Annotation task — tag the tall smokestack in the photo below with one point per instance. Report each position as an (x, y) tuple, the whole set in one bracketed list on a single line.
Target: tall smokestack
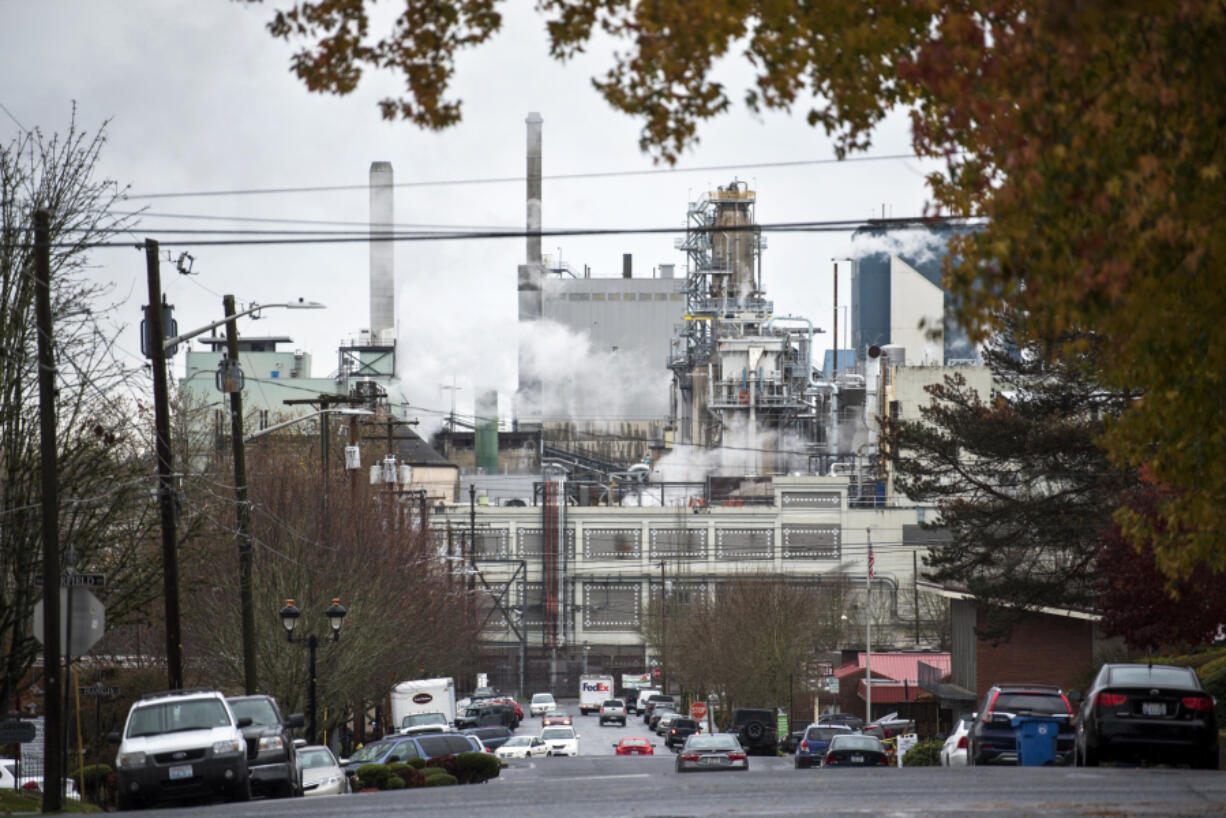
[(534, 187), (382, 261)]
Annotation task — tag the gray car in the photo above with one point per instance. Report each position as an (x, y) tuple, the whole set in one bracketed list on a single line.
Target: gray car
[(712, 751)]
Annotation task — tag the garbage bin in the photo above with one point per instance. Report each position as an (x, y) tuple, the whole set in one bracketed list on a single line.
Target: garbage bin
[(1036, 739)]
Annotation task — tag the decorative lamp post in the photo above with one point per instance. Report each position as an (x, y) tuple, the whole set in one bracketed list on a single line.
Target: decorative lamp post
[(289, 619)]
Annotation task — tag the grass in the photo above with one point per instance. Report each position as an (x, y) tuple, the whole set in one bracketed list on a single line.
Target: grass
[(13, 802)]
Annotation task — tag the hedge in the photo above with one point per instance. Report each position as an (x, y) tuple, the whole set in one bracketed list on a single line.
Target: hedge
[(925, 753), (440, 780)]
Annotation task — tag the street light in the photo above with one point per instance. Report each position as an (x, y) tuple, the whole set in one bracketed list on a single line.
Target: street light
[(289, 620), (277, 426)]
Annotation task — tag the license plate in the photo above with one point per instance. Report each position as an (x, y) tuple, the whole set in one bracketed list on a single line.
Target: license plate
[(857, 759), (182, 771), (714, 761), (1153, 709)]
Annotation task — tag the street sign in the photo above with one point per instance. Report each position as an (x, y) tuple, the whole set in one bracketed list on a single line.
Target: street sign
[(99, 690), (88, 620), (832, 685), (823, 669), (16, 732), (75, 580), (698, 710), (655, 673)]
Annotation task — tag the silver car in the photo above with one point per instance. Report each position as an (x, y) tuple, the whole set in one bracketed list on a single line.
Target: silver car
[(321, 772), (712, 751)]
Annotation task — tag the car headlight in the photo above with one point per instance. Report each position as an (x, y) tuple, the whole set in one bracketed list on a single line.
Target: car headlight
[(131, 759), (271, 743), (232, 745)]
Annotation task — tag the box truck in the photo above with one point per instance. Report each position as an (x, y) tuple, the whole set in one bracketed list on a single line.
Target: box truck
[(412, 699), (593, 690)]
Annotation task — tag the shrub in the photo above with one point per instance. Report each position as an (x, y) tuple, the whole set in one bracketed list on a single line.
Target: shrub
[(372, 776), (408, 774), (440, 780), (474, 768), (93, 782), (416, 763), (393, 782), (445, 763), (925, 753)]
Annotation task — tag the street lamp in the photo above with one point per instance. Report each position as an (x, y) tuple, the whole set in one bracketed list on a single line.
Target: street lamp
[(299, 419), (289, 620), (587, 648)]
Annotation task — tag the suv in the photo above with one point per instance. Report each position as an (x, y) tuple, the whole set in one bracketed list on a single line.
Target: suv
[(613, 710), (992, 739), (401, 749), (681, 728), (181, 744), (541, 704), (755, 729), (485, 715), (274, 770), (652, 701)]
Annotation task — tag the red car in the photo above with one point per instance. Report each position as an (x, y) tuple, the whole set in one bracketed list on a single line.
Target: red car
[(634, 747), (557, 719)]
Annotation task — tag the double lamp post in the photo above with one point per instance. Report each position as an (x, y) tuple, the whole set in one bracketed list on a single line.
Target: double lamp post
[(289, 619)]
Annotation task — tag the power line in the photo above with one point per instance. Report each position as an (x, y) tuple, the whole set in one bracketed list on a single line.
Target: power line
[(494, 180)]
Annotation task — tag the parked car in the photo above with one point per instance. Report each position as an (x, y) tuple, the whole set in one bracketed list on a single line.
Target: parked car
[(755, 729), (855, 750), (1147, 712), (712, 751), (992, 738), (562, 741), (659, 711), (484, 715), (481, 694), (954, 750), (321, 772), (652, 701), (399, 749), (634, 746), (846, 719), (613, 710), (519, 711), (814, 741), (10, 781), (511, 712), (679, 730), (179, 745), (888, 727), (541, 704), (665, 721), (491, 737), (523, 747), (416, 723), (274, 768)]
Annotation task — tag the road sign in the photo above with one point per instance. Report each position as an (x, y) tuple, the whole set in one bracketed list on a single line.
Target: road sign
[(88, 620), (99, 690), (75, 580), (698, 710), (16, 732), (832, 685), (655, 673)]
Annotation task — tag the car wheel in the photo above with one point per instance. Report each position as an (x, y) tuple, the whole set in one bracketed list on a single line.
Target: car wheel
[(243, 791), (1089, 758), (126, 802)]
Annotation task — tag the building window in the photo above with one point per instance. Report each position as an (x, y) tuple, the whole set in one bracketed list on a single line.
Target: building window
[(895, 409)]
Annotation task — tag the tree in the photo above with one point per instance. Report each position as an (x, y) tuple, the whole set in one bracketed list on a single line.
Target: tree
[(1135, 598), (1021, 486), (1088, 135), (106, 512)]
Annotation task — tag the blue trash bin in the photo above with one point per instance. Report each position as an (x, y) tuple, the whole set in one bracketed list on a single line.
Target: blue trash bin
[(1036, 739)]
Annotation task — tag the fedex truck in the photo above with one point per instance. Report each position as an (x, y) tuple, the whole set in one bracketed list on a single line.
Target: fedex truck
[(421, 696), (593, 691)]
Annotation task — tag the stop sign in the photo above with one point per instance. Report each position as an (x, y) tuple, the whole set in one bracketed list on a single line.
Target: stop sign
[(698, 710)]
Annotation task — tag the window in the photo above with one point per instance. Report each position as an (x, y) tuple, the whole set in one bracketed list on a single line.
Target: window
[(895, 410)]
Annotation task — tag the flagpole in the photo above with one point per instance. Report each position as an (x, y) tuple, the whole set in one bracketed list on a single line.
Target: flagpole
[(868, 632)]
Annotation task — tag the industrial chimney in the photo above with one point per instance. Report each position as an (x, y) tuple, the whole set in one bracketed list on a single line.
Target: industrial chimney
[(531, 272), (382, 261)]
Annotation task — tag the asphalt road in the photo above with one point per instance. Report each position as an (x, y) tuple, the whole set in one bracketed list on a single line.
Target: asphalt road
[(598, 783)]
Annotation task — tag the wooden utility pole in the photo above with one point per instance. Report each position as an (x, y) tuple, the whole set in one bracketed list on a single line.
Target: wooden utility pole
[(165, 461), (53, 748), (243, 508)]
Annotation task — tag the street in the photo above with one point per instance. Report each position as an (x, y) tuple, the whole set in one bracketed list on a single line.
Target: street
[(598, 783)]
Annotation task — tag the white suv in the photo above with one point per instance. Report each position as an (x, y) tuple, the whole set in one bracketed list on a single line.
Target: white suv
[(542, 703), (178, 745)]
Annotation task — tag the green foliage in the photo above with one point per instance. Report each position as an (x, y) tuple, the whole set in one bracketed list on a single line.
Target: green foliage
[(925, 753), (440, 780), (393, 782), (1213, 677), (417, 763), (372, 776), (474, 768), (409, 775)]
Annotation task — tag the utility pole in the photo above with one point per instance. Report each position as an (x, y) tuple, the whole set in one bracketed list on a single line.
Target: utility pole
[(53, 748), (915, 591), (663, 631), (868, 633), (243, 508), (165, 461)]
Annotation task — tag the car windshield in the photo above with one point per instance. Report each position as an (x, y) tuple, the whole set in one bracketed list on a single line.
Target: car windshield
[(175, 716), (542, 698), (418, 719), (260, 711), (1156, 676), (558, 733), (372, 751), (1050, 703), (313, 758), (823, 733), (864, 743), (519, 741), (716, 742)]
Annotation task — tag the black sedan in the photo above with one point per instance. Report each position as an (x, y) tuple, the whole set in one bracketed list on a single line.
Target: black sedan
[(1156, 713), (855, 750)]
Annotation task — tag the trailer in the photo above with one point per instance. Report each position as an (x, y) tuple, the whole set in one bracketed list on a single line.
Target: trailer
[(420, 696)]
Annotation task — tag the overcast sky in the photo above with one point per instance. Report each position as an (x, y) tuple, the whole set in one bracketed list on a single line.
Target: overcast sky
[(200, 98)]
